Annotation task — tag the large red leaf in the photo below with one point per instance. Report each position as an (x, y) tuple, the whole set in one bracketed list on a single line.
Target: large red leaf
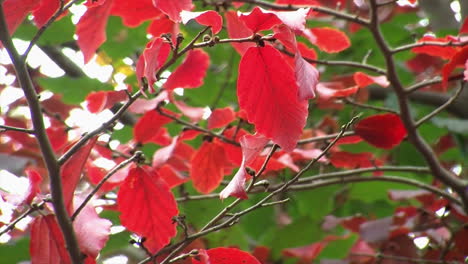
[(92, 232), (133, 13), (45, 11), (267, 91), (173, 8), (221, 117), (91, 29), (191, 72), (47, 244), (257, 20), (149, 125), (208, 18), (459, 59), (236, 28), (147, 207), (71, 172), (251, 148), (383, 131), (152, 58), (225, 256), (16, 11), (330, 40), (207, 169)]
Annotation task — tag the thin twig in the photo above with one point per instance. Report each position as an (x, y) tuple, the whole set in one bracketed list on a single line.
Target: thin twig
[(373, 107), (11, 225), (4, 128), (428, 43), (136, 156), (432, 81), (442, 107)]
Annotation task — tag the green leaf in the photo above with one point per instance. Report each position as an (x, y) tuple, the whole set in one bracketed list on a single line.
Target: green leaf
[(15, 251), (73, 90), (315, 203)]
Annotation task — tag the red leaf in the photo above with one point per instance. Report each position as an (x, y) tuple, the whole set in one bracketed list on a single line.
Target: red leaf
[(149, 125), (226, 256), (152, 58), (305, 253), (207, 18), (16, 11), (326, 90), (330, 40), (173, 8), (363, 80), (348, 160), (307, 78), (267, 91), (207, 169), (45, 11), (92, 232), (464, 27), (91, 29), (383, 131), (47, 244), (101, 100), (191, 72), (142, 197), (34, 187), (257, 20), (459, 59), (461, 240), (133, 13), (237, 29), (465, 73), (163, 25), (221, 117), (251, 148), (58, 136), (194, 113), (445, 52), (171, 176), (71, 172)]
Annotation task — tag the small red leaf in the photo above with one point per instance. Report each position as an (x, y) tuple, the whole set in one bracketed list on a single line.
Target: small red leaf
[(459, 59), (91, 29), (363, 80), (207, 170), (268, 92), (173, 8), (16, 11), (445, 52), (142, 197), (163, 25), (133, 13), (92, 232), (149, 125), (152, 58), (45, 11), (191, 72), (194, 113), (58, 136), (305, 253), (464, 27), (330, 40), (257, 20), (326, 90), (226, 256), (236, 28), (251, 148), (348, 160), (101, 100), (71, 172), (34, 187), (221, 117), (383, 131), (47, 244), (207, 18)]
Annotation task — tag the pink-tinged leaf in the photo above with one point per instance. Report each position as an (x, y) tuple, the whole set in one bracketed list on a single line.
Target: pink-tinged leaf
[(445, 52), (47, 244), (147, 207), (191, 72), (361, 247), (225, 256), (326, 91), (133, 13), (221, 117), (376, 230), (194, 113), (286, 36), (207, 170), (163, 25), (101, 100), (251, 148), (458, 59), (295, 20), (91, 29), (237, 29), (92, 232), (305, 253), (330, 40), (464, 27), (16, 11), (149, 125), (162, 155), (45, 11), (364, 80), (257, 20), (142, 106), (71, 172), (207, 18), (383, 131), (153, 57), (307, 78), (267, 91), (34, 187), (173, 8)]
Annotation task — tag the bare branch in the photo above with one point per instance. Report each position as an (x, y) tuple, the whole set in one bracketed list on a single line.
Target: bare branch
[(4, 128)]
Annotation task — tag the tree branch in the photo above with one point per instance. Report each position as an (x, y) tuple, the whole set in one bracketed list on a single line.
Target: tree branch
[(428, 43), (4, 128), (53, 167)]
